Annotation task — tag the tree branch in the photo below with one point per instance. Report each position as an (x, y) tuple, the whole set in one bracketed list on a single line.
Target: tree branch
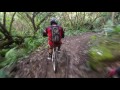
[(96, 18), (5, 32), (49, 14), (32, 20), (11, 22), (35, 14), (28, 16), (26, 20), (4, 19), (83, 18)]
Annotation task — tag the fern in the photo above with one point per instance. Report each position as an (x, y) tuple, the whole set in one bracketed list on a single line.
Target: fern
[(33, 43), (12, 56), (3, 52)]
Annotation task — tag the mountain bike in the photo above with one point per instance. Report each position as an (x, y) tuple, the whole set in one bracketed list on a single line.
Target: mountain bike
[(55, 58)]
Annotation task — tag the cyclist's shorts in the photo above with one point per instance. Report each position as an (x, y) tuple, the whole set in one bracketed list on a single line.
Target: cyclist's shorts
[(54, 44)]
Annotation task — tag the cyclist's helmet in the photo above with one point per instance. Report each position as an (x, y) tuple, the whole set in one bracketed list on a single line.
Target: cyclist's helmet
[(53, 21)]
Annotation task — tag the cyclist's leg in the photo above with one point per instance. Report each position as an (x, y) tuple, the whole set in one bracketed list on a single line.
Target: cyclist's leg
[(59, 47), (50, 48)]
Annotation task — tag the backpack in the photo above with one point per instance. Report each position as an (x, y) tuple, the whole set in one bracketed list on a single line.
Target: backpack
[(55, 34)]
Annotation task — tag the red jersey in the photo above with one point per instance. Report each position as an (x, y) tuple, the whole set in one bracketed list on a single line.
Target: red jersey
[(48, 31)]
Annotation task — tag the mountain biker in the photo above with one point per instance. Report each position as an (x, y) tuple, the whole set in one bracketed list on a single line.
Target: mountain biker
[(48, 33)]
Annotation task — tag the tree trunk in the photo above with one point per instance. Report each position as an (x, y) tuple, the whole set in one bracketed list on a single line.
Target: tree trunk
[(11, 22), (112, 18), (4, 19), (5, 32)]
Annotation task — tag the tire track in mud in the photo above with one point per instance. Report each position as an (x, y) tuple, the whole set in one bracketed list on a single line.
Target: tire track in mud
[(62, 67)]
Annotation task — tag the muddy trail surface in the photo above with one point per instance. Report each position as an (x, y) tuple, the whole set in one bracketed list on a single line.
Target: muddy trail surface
[(71, 63)]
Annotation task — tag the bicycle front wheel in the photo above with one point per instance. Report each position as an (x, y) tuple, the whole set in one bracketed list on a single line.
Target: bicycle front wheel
[(54, 61)]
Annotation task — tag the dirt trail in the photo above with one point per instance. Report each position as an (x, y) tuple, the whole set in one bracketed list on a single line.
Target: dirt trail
[(71, 64)]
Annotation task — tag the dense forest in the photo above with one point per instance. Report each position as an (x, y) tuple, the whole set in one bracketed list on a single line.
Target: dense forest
[(90, 37)]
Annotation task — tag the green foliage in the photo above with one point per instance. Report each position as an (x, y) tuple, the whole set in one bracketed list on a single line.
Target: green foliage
[(117, 29), (112, 30), (3, 74), (13, 45), (100, 53), (21, 52), (22, 28), (3, 52), (12, 56), (94, 37), (30, 44), (96, 30), (1, 35), (75, 32), (95, 65), (34, 42), (104, 48), (109, 23)]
